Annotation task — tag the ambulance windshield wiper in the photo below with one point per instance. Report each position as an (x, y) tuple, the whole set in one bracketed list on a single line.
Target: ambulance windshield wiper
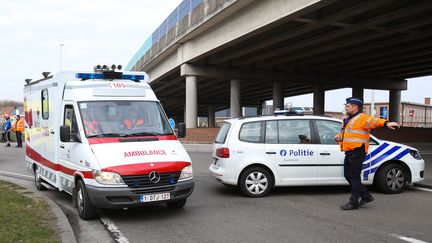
[(148, 134), (104, 135)]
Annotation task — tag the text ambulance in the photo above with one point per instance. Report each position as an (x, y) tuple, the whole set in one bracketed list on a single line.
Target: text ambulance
[(104, 138)]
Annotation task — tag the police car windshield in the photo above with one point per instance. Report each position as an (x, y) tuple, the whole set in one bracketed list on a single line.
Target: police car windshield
[(123, 119)]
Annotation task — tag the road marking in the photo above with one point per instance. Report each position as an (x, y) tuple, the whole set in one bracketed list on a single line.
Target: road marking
[(422, 189), (407, 239), (16, 174), (111, 227)]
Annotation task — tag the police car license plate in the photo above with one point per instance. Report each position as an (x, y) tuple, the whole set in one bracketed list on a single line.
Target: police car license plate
[(155, 197)]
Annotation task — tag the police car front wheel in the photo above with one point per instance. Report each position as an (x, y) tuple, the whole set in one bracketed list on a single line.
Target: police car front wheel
[(391, 179), (256, 182)]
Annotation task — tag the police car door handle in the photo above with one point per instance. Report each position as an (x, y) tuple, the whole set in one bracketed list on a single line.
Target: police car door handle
[(62, 146), (270, 152), (324, 153)]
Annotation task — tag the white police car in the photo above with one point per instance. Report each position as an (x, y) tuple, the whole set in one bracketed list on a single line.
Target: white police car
[(260, 153)]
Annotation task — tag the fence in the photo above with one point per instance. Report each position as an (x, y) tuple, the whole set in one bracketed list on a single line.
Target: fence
[(187, 16)]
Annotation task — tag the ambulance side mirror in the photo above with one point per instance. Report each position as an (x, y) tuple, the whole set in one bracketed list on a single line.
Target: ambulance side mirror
[(181, 130), (65, 134)]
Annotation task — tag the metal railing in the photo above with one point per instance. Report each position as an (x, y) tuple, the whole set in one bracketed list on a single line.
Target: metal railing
[(187, 16)]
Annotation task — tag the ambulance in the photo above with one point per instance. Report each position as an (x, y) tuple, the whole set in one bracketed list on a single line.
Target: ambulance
[(103, 137), (257, 154)]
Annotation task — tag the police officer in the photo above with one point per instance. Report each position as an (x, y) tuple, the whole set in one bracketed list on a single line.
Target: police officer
[(354, 141)]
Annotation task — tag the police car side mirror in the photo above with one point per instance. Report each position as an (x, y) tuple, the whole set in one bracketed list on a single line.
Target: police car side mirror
[(181, 130), (65, 133)]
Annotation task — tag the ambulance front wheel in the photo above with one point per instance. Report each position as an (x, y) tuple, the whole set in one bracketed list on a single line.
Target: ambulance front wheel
[(38, 180), (177, 204), (86, 210)]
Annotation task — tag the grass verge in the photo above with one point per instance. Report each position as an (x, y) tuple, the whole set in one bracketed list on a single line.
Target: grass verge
[(23, 219)]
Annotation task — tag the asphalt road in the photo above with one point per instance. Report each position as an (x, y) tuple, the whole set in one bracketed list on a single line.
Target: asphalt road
[(216, 213)]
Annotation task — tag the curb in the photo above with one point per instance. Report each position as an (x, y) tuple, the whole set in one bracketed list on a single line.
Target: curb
[(66, 232), (423, 185)]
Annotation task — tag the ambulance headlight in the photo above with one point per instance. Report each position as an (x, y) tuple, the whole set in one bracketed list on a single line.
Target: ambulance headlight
[(186, 174), (107, 178)]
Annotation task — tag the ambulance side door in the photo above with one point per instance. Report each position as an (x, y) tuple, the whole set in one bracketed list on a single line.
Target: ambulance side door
[(69, 151)]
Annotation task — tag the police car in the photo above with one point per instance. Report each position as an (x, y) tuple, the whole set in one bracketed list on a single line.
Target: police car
[(260, 153)]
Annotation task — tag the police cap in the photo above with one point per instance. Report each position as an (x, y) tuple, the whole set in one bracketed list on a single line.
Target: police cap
[(355, 101)]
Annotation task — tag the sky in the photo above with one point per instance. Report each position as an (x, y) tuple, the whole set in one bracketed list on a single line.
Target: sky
[(37, 34)]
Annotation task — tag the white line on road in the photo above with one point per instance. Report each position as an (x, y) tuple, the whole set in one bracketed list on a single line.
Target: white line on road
[(407, 239), (111, 227), (15, 174), (422, 189)]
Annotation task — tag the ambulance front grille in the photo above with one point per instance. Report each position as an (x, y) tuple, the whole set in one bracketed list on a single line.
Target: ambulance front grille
[(141, 183)]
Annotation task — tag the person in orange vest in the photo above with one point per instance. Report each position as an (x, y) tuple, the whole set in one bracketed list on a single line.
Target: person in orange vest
[(132, 122), (91, 127), (19, 129), (354, 141)]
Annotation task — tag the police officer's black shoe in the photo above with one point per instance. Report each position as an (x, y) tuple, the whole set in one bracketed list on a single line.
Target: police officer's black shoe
[(363, 201), (349, 206)]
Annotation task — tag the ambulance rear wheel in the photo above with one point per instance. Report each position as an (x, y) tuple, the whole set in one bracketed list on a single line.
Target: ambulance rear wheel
[(391, 179), (38, 180), (255, 182), (177, 204), (86, 210)]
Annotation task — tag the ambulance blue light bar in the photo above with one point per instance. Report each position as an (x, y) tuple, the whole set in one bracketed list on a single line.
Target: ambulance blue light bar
[(109, 76)]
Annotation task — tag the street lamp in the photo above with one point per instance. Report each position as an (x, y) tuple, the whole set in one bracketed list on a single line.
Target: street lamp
[(61, 45)]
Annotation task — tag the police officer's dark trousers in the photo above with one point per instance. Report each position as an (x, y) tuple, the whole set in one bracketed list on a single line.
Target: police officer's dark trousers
[(352, 169), (19, 139)]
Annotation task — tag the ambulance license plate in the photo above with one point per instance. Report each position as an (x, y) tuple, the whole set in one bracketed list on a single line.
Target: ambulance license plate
[(155, 197)]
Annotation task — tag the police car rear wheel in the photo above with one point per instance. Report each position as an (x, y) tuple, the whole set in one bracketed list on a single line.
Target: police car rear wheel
[(256, 182), (38, 180), (85, 209), (391, 179)]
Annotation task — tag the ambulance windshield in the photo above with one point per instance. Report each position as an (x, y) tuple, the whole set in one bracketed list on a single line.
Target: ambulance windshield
[(123, 119)]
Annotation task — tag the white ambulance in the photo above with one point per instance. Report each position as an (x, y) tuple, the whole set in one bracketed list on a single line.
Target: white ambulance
[(104, 138), (259, 153)]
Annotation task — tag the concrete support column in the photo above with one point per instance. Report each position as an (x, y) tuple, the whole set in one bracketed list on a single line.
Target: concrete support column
[(318, 100), (358, 92), (394, 109), (191, 110), (278, 99), (235, 101), (211, 117)]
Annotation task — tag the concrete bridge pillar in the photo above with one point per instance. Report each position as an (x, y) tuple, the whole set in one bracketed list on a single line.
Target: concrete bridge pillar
[(394, 106), (191, 110), (211, 117), (358, 92), (235, 101), (318, 100), (278, 99)]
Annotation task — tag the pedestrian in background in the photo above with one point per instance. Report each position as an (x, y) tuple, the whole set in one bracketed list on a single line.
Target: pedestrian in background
[(354, 141), (19, 129), (7, 129)]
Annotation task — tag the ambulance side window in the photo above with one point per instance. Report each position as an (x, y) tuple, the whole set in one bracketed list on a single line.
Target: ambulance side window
[(45, 104), (70, 120)]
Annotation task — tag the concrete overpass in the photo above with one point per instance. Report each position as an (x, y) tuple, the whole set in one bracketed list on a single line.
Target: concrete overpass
[(216, 54)]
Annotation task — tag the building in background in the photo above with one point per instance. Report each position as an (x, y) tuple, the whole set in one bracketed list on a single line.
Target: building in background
[(412, 114)]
